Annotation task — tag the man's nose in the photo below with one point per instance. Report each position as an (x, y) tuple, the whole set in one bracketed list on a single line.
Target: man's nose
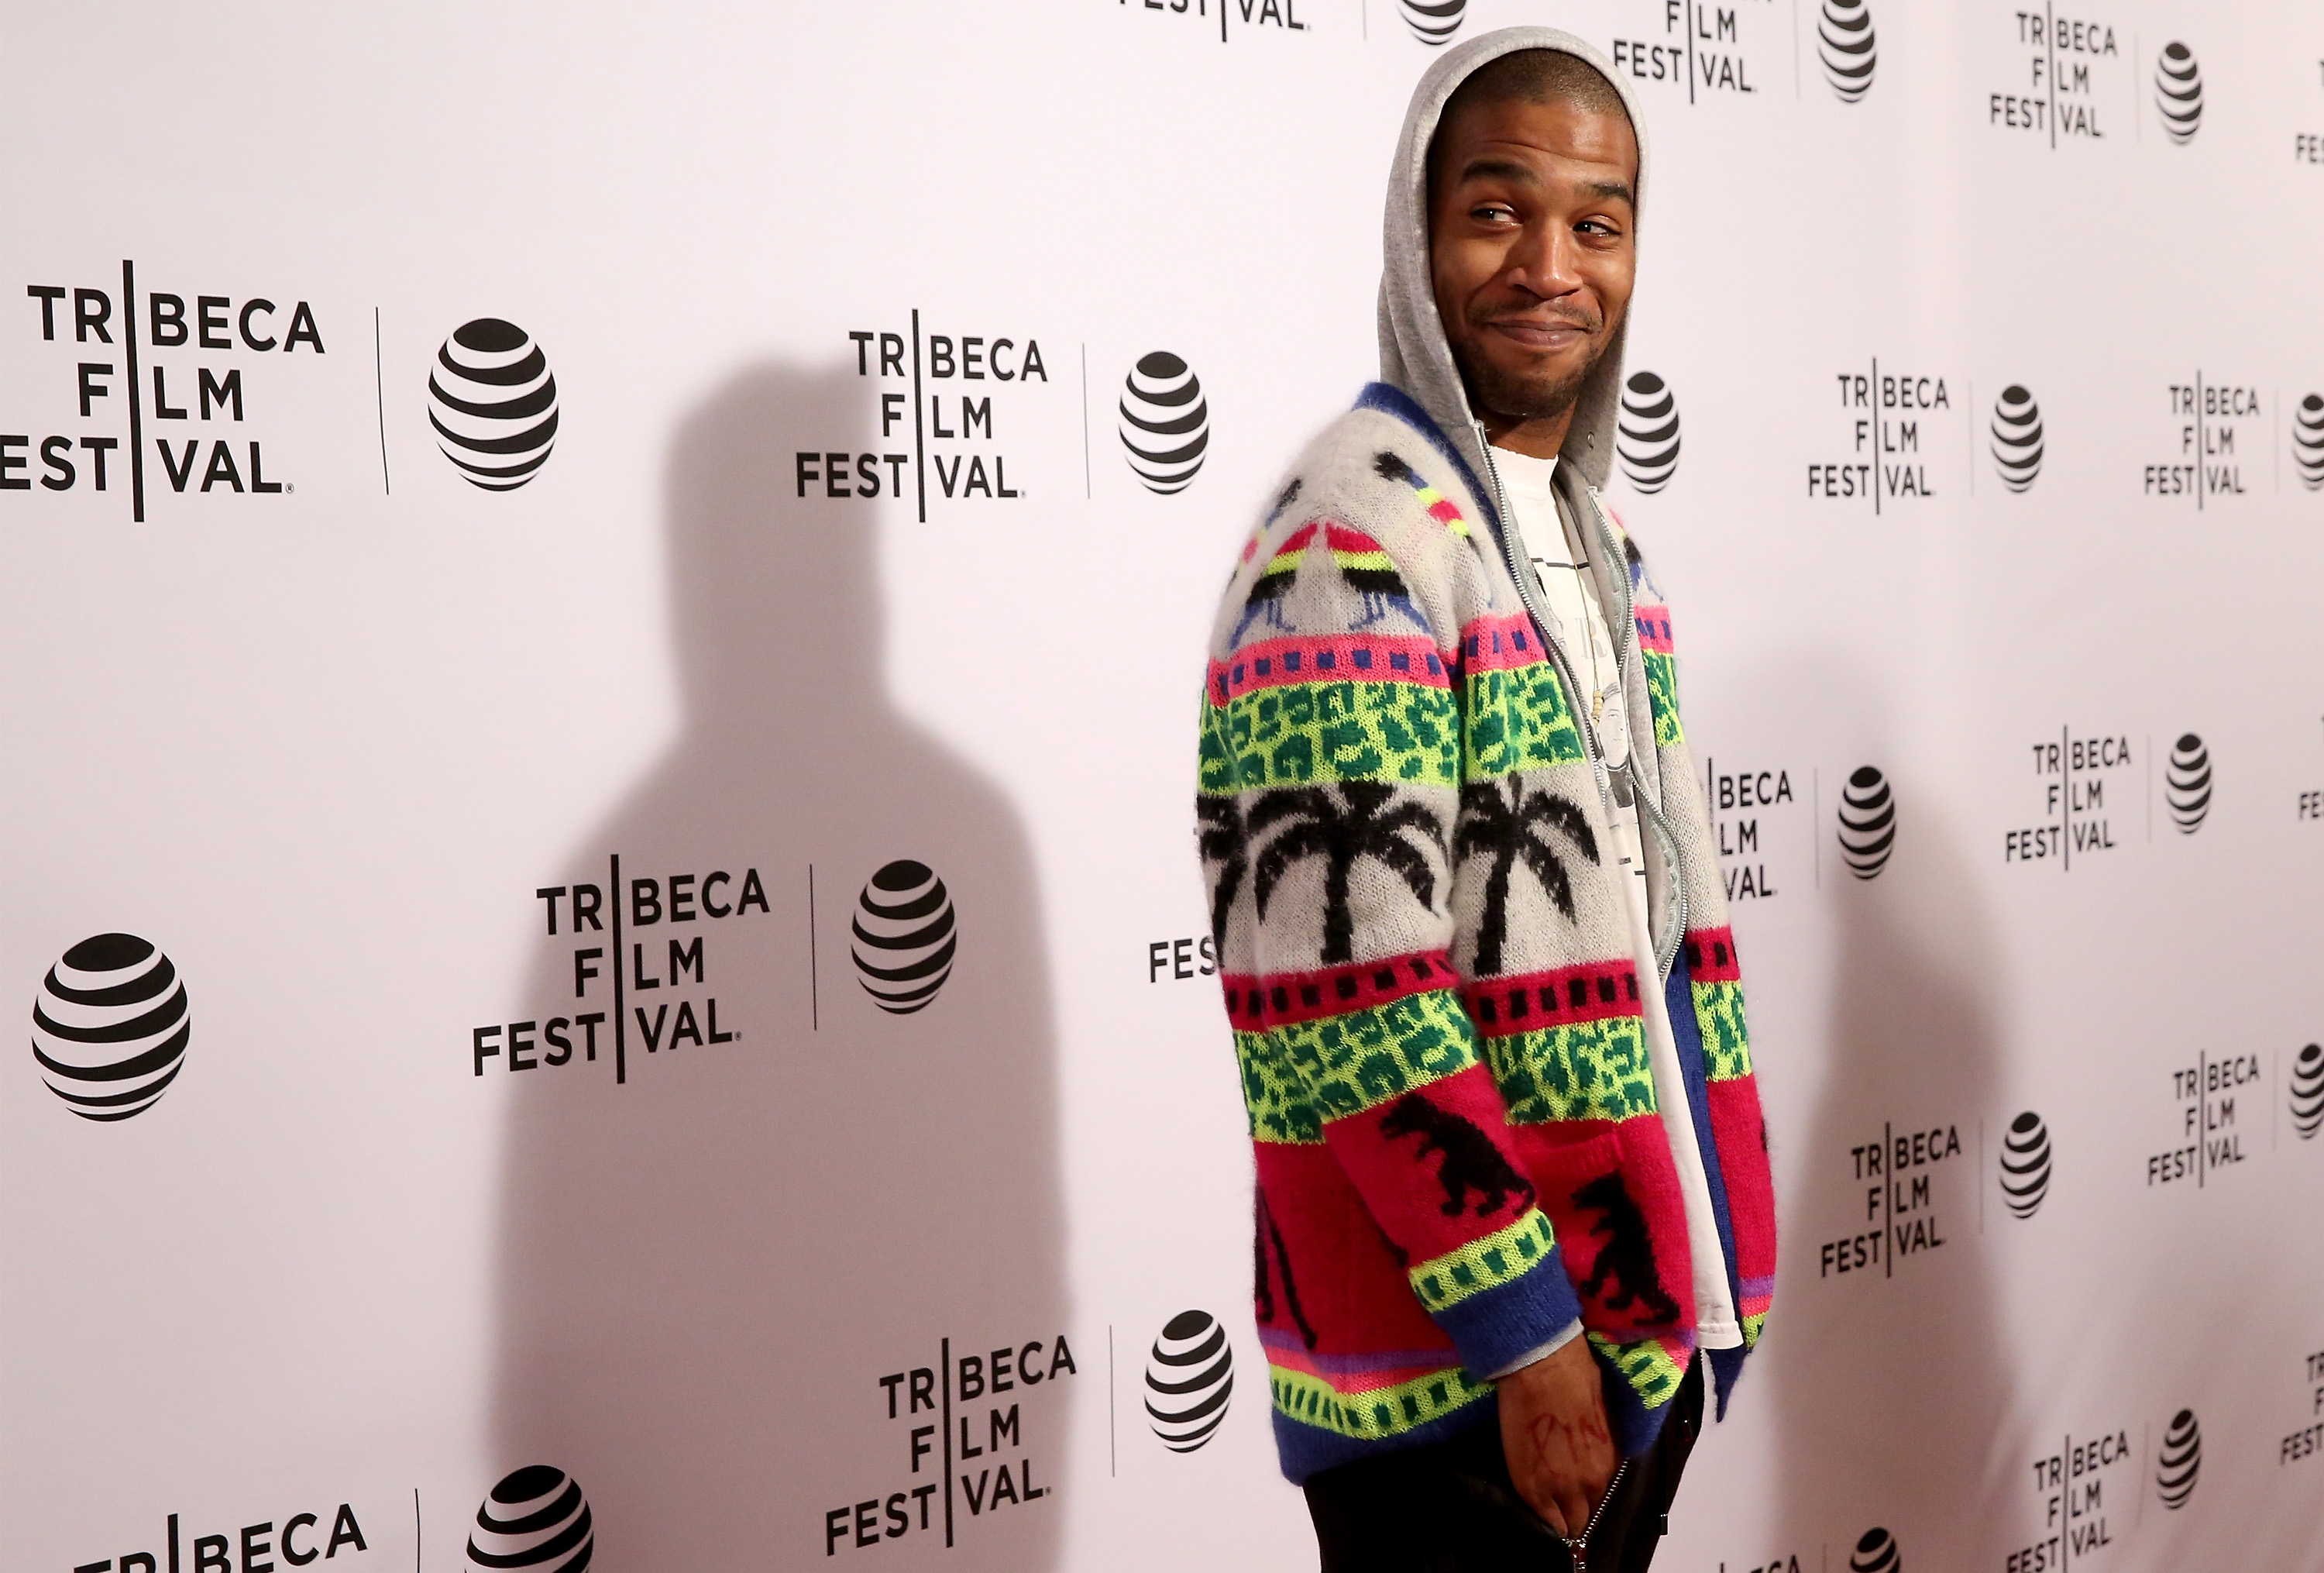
[(1546, 262)]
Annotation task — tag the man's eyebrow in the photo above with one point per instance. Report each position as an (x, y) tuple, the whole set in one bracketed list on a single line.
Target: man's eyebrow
[(1612, 190), (1489, 168)]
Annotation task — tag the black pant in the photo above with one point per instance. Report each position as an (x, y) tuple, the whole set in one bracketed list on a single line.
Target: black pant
[(1449, 1507)]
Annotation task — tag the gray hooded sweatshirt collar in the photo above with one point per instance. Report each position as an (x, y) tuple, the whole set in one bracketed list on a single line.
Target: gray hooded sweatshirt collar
[(1414, 353)]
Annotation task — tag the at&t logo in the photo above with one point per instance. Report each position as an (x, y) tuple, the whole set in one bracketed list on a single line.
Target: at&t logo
[(1645, 432), (2187, 783), (2308, 1092), (110, 1027), (1166, 422), (1844, 44), (2179, 93), (1876, 1552), (1434, 21), (2017, 438), (493, 402), (905, 936), (535, 1518), (2179, 1461), (1867, 822), (1189, 1377), (2308, 441), (2025, 1165)]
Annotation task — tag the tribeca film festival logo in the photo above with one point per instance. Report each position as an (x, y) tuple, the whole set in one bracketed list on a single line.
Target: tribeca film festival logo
[(1867, 822), (977, 1451), (110, 1027), (623, 973), (1702, 48), (2205, 1097), (938, 431), (2063, 69), (1845, 48), (536, 1520), (2017, 433), (1278, 14), (2308, 441), (1166, 422), (1645, 432), (1900, 1201), (2069, 1486), (2187, 783), (2179, 93), (1189, 1378), (493, 402), (1744, 805), (2307, 1441), (1888, 418), (101, 418), (905, 936), (2308, 1092), (299, 1540), (2211, 428), (2074, 773), (2025, 1162)]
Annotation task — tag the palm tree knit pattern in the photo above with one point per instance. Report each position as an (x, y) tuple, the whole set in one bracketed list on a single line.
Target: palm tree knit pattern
[(1429, 976)]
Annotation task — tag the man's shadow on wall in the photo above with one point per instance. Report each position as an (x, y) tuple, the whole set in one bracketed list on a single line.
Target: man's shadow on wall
[(1889, 1392), (704, 1272)]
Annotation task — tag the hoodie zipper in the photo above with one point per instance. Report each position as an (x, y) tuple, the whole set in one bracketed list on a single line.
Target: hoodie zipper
[(1608, 777)]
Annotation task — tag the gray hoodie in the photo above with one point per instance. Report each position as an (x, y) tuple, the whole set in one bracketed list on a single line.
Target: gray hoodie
[(1414, 353)]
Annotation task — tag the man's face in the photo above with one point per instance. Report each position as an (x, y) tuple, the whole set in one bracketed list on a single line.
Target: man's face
[(1531, 248)]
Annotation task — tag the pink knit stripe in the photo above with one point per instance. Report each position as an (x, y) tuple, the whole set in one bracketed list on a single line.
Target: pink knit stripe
[(1283, 999), (1710, 955), (1564, 996), (1655, 629), (1499, 644), (1358, 1373), (1314, 658)]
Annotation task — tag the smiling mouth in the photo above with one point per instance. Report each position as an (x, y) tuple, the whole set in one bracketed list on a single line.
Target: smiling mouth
[(1554, 333)]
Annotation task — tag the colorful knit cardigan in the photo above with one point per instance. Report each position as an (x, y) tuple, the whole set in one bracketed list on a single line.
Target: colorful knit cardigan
[(1426, 967)]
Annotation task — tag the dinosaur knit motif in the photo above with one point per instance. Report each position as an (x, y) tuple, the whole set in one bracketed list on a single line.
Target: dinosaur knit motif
[(1428, 969)]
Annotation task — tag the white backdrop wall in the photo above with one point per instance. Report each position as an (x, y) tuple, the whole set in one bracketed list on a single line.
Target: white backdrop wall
[(304, 708)]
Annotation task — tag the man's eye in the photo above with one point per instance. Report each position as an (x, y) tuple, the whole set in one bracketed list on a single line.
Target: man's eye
[(1494, 214)]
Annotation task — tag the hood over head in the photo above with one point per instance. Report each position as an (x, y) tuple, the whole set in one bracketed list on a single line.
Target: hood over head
[(1414, 355)]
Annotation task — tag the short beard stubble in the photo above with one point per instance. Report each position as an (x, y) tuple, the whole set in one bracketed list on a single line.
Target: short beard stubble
[(1516, 397)]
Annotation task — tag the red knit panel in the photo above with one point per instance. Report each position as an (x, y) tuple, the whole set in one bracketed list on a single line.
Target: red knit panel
[(1332, 1270), (1614, 1198), (1741, 1131), (1436, 1164)]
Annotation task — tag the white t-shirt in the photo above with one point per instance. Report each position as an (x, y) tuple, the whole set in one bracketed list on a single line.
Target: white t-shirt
[(1578, 624)]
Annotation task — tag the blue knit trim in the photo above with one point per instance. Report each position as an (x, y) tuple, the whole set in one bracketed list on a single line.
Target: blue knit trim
[(1726, 1370), (1390, 400), (1686, 1034), (1509, 1321), (1307, 1450)]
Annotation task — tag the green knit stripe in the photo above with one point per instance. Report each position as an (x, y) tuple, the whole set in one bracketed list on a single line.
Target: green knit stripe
[(1356, 1061), (1752, 1327), (1481, 1264), (1302, 734), (1273, 1095), (1588, 1071), (1646, 1365), (1518, 719), (1379, 1414), (1726, 1043), (1662, 691)]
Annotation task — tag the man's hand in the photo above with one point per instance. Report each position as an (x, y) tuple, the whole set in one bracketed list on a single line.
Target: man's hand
[(1553, 1432)]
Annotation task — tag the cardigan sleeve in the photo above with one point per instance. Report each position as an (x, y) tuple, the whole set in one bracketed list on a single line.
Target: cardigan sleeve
[(1329, 774)]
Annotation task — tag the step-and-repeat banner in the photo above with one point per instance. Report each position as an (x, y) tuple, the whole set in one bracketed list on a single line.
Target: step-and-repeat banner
[(600, 654)]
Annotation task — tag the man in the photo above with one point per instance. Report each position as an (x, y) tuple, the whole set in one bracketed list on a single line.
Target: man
[(1512, 1182)]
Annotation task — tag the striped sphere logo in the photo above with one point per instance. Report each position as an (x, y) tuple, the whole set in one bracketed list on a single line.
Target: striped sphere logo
[(2179, 1461), (1844, 43), (1166, 422), (2308, 441), (2178, 92), (1867, 822), (904, 938), (110, 1027), (493, 403), (1645, 432), (2026, 1164), (535, 1518), (2308, 1092), (1434, 21), (2187, 783), (2016, 437), (1876, 1552), (1189, 1377)]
